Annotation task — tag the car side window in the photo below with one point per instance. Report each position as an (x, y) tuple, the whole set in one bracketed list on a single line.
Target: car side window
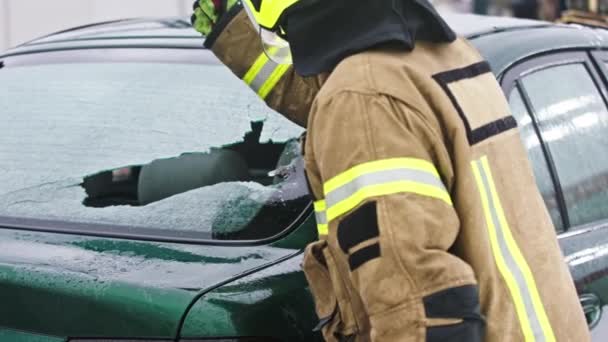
[(573, 121), (536, 156)]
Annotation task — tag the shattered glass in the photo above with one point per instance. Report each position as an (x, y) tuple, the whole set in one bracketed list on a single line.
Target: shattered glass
[(78, 139)]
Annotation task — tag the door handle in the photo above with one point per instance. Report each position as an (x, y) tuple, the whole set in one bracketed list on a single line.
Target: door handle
[(592, 307)]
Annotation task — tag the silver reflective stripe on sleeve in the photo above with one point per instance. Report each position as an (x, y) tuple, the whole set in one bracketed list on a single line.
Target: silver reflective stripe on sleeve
[(321, 217), (510, 261), (380, 178), (264, 75)]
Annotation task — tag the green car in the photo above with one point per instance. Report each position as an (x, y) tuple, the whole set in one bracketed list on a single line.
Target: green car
[(146, 194)]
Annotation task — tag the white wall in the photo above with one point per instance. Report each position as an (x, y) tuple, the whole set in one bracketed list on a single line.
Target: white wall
[(23, 20)]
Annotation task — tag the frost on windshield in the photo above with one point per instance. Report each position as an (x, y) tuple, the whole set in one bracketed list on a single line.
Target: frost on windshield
[(144, 145)]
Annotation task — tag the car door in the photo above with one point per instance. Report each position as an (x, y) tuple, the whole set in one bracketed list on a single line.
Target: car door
[(559, 101)]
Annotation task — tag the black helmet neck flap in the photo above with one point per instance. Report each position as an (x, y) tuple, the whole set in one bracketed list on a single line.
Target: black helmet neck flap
[(323, 34)]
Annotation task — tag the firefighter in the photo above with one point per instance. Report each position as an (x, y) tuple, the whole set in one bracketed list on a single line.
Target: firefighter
[(430, 224)]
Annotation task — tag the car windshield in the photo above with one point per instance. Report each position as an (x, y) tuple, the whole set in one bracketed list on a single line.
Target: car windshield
[(180, 148)]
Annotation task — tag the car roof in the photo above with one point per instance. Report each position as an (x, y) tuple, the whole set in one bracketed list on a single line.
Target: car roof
[(499, 39), (177, 27), (125, 28), (470, 25)]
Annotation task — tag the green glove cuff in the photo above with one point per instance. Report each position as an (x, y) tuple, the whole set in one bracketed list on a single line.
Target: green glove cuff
[(206, 15)]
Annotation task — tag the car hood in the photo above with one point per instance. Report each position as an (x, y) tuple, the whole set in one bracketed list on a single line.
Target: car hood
[(150, 264), (65, 285)]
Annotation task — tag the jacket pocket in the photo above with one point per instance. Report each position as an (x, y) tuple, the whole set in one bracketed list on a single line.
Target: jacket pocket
[(332, 301)]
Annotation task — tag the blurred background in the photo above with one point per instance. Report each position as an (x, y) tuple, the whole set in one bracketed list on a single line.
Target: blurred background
[(23, 20)]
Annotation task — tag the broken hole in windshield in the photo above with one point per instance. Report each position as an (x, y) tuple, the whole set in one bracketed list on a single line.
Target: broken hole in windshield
[(139, 185)]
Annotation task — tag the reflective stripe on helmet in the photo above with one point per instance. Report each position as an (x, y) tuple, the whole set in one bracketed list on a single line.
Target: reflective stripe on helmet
[(347, 190), (510, 261)]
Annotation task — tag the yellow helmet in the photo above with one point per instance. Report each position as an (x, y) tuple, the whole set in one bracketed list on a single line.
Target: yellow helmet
[(268, 13), (266, 16)]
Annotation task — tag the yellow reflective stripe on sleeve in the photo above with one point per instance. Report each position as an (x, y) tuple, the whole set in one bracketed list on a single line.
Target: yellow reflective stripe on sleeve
[(272, 81), (264, 75), (384, 190), (320, 205), (519, 259), (501, 264), (510, 261), (380, 165), (255, 68), (322, 229), (380, 178), (321, 217)]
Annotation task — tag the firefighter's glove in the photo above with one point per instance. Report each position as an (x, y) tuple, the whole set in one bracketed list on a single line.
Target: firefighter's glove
[(208, 12)]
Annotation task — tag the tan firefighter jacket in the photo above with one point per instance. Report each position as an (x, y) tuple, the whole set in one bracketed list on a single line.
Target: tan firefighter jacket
[(431, 226)]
